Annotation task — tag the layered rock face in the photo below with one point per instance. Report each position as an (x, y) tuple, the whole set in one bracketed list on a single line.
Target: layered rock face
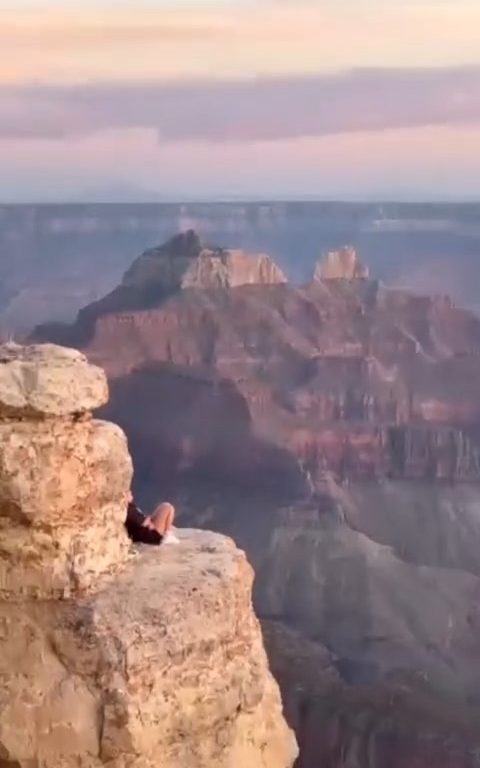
[(345, 417), (344, 264), (184, 262), (55, 259), (63, 476), (395, 726), (111, 655), (369, 598), (342, 374)]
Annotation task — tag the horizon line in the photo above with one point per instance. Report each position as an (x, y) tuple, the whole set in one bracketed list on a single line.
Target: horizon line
[(228, 200)]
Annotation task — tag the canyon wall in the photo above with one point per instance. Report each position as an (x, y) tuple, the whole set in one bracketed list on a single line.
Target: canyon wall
[(55, 259), (333, 431), (368, 595), (111, 654)]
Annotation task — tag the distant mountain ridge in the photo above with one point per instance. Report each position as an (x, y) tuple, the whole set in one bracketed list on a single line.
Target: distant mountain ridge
[(55, 259)]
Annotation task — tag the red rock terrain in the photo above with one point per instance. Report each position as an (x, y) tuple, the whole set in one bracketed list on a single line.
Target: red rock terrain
[(332, 429)]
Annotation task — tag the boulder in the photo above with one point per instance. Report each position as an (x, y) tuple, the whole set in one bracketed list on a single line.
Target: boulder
[(63, 495), (47, 380), (64, 480)]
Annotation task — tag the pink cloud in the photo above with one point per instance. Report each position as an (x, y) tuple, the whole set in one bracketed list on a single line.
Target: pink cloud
[(437, 162), (264, 109)]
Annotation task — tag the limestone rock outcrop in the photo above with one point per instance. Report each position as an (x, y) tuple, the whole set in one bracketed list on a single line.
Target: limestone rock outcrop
[(64, 477), (112, 655), (344, 264), (184, 262), (47, 380)]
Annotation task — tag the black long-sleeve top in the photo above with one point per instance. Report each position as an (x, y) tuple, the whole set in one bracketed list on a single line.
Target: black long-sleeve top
[(136, 531)]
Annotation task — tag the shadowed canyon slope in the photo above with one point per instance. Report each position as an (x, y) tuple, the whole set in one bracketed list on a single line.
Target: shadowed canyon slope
[(110, 654), (333, 430)]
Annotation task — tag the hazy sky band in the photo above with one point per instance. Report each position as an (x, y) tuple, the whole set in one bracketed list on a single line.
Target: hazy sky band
[(340, 97), (74, 42)]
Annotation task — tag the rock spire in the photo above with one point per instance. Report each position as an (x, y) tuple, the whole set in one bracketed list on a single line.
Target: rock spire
[(344, 264)]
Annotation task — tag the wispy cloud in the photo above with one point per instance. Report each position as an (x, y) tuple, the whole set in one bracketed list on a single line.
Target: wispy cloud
[(265, 109), (74, 40)]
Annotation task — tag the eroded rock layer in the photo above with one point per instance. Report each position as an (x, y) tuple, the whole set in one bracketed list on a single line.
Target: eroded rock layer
[(110, 654), (184, 262), (163, 665), (344, 264), (333, 430), (64, 477)]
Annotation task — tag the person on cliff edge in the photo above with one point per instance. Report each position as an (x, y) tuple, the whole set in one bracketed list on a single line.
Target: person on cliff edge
[(151, 529)]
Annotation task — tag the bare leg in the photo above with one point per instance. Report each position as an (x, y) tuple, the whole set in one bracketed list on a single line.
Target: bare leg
[(163, 517)]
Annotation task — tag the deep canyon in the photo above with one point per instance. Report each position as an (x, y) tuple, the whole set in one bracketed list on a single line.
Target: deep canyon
[(332, 429)]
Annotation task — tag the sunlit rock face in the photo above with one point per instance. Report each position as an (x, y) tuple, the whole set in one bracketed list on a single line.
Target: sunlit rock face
[(112, 655), (185, 262), (64, 477), (55, 259), (44, 381), (333, 430), (344, 264)]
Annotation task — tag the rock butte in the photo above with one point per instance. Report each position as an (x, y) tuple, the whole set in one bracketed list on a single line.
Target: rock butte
[(344, 264), (110, 654), (184, 262), (99, 242)]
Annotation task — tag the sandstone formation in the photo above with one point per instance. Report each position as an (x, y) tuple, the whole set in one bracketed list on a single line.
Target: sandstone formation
[(55, 259), (343, 264), (63, 478), (184, 262), (48, 381), (110, 654), (344, 416)]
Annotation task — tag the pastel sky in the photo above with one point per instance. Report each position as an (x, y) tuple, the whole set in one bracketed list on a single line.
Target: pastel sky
[(170, 99)]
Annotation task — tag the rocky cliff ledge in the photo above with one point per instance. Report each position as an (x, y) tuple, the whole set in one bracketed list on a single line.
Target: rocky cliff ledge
[(110, 654)]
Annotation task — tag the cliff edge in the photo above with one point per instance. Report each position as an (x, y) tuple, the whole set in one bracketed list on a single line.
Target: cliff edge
[(110, 654)]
